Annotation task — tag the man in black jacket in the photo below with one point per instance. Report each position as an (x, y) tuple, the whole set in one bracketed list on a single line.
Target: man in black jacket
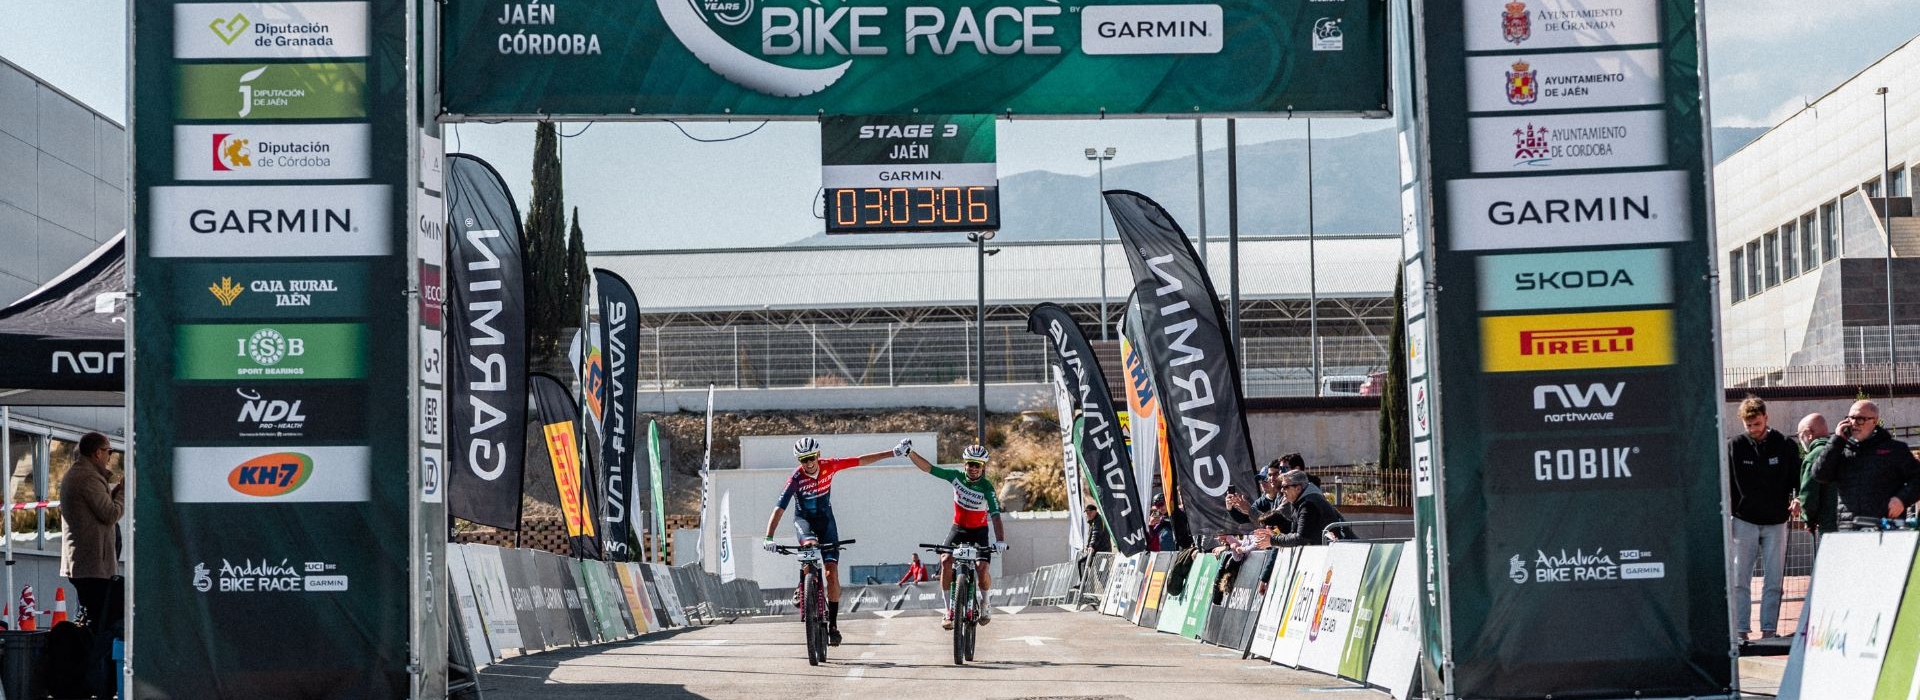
[(1763, 470), (1310, 512), (1876, 474)]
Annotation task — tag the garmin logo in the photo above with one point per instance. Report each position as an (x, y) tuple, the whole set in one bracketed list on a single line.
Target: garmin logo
[(1570, 210), (1548, 211), (1151, 29), (271, 221)]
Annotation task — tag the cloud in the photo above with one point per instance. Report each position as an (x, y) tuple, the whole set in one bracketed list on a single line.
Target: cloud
[(1790, 20)]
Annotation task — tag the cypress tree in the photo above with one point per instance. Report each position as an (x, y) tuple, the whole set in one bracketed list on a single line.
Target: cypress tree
[(578, 280), (1396, 444), (546, 266)]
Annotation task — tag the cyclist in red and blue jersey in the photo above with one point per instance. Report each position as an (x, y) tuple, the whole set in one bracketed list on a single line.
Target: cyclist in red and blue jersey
[(811, 486), (974, 506)]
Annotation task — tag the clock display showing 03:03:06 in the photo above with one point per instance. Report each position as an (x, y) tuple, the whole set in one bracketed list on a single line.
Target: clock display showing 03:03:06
[(905, 209)]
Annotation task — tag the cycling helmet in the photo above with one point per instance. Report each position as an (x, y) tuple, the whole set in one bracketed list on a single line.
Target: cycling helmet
[(806, 447), (974, 453)]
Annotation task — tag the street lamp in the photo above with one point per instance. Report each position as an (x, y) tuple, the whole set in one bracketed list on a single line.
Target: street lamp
[(1100, 157), (1886, 226), (979, 240)]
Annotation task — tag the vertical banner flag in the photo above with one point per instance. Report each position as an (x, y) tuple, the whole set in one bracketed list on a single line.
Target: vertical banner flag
[(277, 390), (1077, 534), (559, 421), (486, 347), (1093, 430), (706, 478), (1586, 461), (1191, 360), (1150, 454), (726, 537), (658, 458), (620, 327)]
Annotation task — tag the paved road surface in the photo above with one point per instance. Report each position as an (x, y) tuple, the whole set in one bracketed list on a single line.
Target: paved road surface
[(1029, 655)]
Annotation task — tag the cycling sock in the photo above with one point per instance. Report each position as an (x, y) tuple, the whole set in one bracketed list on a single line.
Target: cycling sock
[(833, 615)]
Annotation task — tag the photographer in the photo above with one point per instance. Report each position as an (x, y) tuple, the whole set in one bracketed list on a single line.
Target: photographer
[(1877, 475), (1262, 508)]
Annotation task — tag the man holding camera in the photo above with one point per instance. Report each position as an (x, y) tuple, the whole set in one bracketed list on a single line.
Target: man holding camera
[(1877, 475)]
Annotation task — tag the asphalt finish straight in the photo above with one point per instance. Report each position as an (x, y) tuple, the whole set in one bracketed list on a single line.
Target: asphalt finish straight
[(1038, 653)]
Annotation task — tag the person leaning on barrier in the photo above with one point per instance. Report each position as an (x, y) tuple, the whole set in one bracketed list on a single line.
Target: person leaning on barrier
[(1819, 503), (1311, 513), (1875, 474), (1259, 509), (1763, 471)]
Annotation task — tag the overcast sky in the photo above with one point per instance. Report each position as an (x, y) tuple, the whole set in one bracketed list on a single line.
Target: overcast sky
[(650, 186)]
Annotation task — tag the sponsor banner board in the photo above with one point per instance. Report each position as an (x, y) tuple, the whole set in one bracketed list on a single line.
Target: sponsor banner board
[(270, 290), (1564, 81), (1396, 649), (1858, 579), (270, 30), (1568, 211), (260, 475), (270, 91), (1636, 277), (1369, 608), (1900, 672), (1556, 402), (1583, 141), (280, 221), (267, 575), (795, 58), (1423, 468), (1274, 607), (254, 351), (270, 152), (271, 413), (1505, 25), (1310, 574), (473, 627), (1577, 341), (1328, 626)]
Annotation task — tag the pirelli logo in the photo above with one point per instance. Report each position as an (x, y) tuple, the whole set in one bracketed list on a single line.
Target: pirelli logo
[(1577, 341)]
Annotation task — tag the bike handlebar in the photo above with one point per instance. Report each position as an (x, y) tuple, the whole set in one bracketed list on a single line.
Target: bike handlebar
[(822, 546), (1883, 523)]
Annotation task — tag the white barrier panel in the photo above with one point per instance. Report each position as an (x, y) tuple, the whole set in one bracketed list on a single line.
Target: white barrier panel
[(635, 594), (1274, 608), (1303, 593), (669, 594), (1333, 611), (1122, 584), (1900, 673), (1396, 651), (494, 599), (469, 610), (1858, 578)]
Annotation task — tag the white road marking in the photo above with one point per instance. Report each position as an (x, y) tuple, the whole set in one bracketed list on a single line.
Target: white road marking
[(1031, 641)]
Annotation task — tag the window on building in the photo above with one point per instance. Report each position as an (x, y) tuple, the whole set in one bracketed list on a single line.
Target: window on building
[(1753, 268), (1829, 231), (1872, 188), (1770, 247), (1897, 181), (1789, 252), (1809, 243), (1737, 267)]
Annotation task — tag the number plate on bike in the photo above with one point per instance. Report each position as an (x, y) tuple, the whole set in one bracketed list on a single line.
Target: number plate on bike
[(809, 554), (966, 553)]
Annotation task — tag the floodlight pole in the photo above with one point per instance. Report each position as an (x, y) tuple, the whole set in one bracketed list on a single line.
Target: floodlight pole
[(1886, 226), (980, 333), (1100, 158)]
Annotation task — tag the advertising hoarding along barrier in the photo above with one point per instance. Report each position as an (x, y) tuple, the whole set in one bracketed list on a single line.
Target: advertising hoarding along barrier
[(1396, 648), (791, 58)]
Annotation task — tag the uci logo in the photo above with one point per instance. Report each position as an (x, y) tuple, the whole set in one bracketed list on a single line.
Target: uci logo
[(272, 475)]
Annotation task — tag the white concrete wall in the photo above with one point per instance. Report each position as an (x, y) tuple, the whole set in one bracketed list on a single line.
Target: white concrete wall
[(776, 451), (1342, 436), (1001, 398)]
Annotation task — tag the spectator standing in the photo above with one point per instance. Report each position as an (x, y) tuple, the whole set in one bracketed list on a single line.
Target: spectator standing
[(90, 508), (1160, 530), (1310, 513), (1244, 511), (916, 572), (1097, 540), (1763, 470), (1876, 475), (1819, 503)]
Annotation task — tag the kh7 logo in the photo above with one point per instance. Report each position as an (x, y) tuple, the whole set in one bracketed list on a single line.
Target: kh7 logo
[(847, 31), (267, 476)]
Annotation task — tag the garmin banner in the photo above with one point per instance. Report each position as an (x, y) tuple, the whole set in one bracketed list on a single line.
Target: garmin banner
[(1582, 474), (560, 420), (487, 342), (1094, 430), (796, 58), (1192, 362), (620, 324), (292, 548)]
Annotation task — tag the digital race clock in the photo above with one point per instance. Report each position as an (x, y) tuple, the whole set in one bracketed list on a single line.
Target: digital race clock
[(908, 174), (900, 209)]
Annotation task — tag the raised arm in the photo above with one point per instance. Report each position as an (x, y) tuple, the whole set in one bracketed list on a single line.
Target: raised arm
[(921, 462)]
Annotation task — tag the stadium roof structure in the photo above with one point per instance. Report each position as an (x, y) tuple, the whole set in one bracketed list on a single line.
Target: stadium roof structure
[(942, 274)]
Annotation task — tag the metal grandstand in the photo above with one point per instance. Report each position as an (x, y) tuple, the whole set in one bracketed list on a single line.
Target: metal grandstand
[(903, 315)]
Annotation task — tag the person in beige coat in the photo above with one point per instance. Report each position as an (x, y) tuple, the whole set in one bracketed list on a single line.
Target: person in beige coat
[(90, 508)]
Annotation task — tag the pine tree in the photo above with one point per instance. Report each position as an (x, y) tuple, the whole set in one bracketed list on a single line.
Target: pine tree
[(578, 279), (546, 252), (1395, 441)]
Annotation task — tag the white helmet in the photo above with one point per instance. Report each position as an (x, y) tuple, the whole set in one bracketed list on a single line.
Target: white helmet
[(806, 447), (974, 453)]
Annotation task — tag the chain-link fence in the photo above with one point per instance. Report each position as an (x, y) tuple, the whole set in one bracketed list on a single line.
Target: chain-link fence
[(899, 354)]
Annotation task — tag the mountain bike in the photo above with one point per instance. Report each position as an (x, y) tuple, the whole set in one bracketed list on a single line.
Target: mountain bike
[(812, 593), (966, 597)]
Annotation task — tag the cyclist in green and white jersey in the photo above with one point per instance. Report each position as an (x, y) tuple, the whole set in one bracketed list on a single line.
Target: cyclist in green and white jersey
[(974, 505)]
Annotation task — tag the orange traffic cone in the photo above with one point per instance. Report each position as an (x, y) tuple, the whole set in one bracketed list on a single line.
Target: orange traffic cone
[(28, 611), (59, 605)]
